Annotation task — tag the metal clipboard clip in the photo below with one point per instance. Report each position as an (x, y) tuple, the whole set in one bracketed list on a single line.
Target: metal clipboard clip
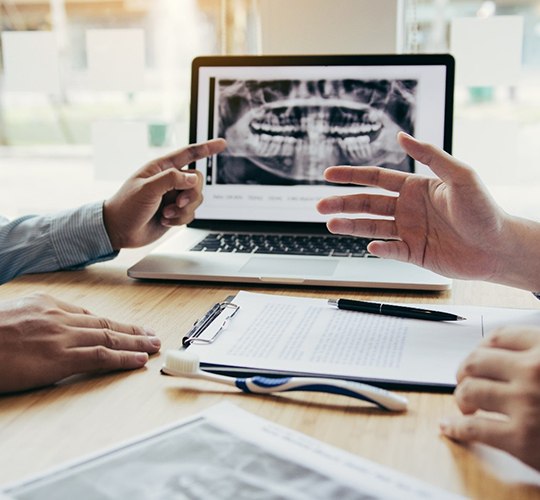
[(194, 335)]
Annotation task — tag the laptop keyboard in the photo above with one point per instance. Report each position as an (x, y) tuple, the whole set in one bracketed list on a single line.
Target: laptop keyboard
[(336, 246)]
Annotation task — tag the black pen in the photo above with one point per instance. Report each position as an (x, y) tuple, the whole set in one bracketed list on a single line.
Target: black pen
[(391, 310)]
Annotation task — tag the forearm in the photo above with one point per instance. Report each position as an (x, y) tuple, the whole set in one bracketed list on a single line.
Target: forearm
[(68, 240), (519, 255)]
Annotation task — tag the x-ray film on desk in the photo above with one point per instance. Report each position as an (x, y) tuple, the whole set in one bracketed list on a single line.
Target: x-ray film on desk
[(286, 119)]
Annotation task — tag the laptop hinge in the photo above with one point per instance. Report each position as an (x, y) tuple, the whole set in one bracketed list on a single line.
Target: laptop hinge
[(261, 226)]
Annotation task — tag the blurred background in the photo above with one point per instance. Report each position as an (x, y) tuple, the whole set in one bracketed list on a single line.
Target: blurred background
[(92, 89)]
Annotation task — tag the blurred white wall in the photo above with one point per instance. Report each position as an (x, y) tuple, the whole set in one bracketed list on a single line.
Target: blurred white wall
[(331, 27)]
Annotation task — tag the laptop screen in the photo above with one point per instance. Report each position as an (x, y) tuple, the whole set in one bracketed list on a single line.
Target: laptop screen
[(286, 119)]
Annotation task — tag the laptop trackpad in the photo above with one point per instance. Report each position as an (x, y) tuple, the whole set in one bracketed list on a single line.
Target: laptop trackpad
[(263, 266)]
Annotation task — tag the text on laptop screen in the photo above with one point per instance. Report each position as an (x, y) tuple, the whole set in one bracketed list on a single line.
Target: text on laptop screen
[(285, 124)]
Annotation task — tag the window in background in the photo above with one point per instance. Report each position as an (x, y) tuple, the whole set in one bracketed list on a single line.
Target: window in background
[(58, 149), (331, 27), (124, 79), (497, 125), (174, 32)]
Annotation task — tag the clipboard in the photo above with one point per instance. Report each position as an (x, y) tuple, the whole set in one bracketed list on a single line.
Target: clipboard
[(283, 335), (194, 336)]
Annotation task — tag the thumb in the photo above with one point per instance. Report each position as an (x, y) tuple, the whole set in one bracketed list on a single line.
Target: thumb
[(445, 166)]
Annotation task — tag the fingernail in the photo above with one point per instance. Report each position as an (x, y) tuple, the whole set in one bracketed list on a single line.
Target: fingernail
[(191, 179), (183, 201), (334, 204), (443, 425), (141, 357), (169, 212), (149, 331), (155, 341)]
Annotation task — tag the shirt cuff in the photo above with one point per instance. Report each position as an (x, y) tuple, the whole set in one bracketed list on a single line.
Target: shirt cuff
[(79, 237)]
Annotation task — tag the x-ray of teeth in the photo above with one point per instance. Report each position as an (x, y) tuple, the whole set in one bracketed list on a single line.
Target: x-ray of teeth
[(286, 132)]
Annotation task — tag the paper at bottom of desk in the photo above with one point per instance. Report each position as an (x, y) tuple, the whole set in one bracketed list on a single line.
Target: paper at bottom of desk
[(223, 453), (275, 335)]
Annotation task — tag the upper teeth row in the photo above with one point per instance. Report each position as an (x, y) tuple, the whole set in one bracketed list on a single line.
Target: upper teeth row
[(363, 128)]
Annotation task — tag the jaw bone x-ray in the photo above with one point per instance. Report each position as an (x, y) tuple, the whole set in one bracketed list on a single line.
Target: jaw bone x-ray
[(287, 132)]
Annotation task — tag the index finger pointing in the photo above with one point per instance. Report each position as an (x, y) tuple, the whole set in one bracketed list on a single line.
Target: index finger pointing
[(194, 152), (391, 180)]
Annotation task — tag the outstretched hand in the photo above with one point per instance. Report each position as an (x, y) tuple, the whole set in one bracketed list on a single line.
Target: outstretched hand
[(449, 224), (160, 195)]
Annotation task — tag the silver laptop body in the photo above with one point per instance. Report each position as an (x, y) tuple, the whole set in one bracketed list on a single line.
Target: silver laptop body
[(285, 120)]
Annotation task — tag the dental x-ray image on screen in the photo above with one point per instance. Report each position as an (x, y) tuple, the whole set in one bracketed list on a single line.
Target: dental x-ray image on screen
[(288, 131)]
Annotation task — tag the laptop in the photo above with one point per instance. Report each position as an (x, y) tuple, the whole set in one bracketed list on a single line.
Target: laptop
[(286, 119)]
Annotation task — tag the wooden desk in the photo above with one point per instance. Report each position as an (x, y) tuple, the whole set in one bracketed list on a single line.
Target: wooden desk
[(43, 428)]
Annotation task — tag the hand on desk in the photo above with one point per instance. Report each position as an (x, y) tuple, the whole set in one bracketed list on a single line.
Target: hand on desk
[(160, 195), (44, 340), (502, 375), (449, 224)]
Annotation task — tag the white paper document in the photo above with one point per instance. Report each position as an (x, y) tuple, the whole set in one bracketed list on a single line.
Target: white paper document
[(224, 453), (293, 335)]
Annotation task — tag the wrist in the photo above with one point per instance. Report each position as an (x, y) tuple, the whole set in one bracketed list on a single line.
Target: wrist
[(112, 232), (519, 255)]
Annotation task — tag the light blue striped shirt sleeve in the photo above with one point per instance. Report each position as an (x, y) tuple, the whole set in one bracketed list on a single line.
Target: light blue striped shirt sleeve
[(39, 244)]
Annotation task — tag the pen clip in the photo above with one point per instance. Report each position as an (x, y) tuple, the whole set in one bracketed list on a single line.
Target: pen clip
[(200, 326)]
